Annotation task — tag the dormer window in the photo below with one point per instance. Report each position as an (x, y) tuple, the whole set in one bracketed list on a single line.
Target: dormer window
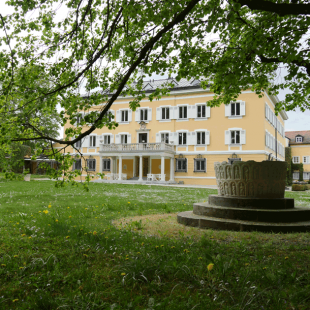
[(298, 139)]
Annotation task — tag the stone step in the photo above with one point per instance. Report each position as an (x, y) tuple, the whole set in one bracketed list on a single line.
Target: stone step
[(190, 219), (253, 203), (257, 215)]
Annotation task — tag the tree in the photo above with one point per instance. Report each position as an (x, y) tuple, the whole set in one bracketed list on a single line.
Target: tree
[(101, 45)]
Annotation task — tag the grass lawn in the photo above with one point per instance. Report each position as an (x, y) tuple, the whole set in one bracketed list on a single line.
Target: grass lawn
[(69, 249)]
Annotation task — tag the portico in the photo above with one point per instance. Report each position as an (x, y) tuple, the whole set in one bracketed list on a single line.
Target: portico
[(142, 162)]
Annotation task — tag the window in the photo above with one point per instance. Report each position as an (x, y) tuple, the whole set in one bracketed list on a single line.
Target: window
[(201, 111), (199, 165), (165, 113), (182, 138), (78, 144), (106, 164), (298, 139), (91, 164), (92, 141), (181, 165), (235, 109), (124, 115), (79, 119), (164, 137), (77, 165), (124, 139), (183, 112), (143, 115), (201, 137), (296, 159), (109, 114), (306, 159), (235, 137), (306, 175), (107, 139)]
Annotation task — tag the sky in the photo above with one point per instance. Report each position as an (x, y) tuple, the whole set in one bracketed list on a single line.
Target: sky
[(297, 120)]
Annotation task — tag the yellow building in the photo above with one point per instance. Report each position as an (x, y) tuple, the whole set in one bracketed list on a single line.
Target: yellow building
[(178, 138), (299, 142)]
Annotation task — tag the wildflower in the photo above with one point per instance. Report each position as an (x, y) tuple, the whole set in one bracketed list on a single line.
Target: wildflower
[(126, 258), (286, 257), (85, 234), (21, 267), (49, 206), (45, 211), (142, 243), (123, 274), (29, 237), (39, 211), (23, 235), (269, 255), (107, 237), (56, 221), (186, 250), (173, 247), (265, 268), (85, 208), (70, 217), (95, 217), (162, 245), (94, 233), (24, 263), (15, 300), (17, 223), (3, 265), (15, 256), (85, 255), (67, 237), (138, 253), (68, 207), (247, 264), (49, 224), (156, 246), (128, 201), (200, 257), (81, 229), (210, 267), (96, 206)]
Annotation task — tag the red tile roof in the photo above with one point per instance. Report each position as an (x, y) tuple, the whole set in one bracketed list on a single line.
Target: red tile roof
[(292, 135)]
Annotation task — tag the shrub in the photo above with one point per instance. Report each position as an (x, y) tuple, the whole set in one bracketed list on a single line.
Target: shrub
[(299, 187)]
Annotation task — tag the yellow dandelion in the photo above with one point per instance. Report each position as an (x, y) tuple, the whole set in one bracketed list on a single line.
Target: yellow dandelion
[(247, 264), (200, 257), (128, 201), (70, 217), (67, 237), (210, 267), (49, 224), (286, 257), (85, 255), (107, 237), (85, 208), (56, 221), (49, 206), (142, 243), (39, 211), (21, 267), (14, 300), (123, 274), (162, 245), (68, 207), (29, 237), (45, 211), (17, 223), (3, 265), (265, 268), (96, 206), (15, 256), (94, 233), (126, 258), (173, 247), (23, 235), (85, 234)]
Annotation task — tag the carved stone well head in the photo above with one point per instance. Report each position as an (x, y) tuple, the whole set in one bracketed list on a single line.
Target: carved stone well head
[(253, 179)]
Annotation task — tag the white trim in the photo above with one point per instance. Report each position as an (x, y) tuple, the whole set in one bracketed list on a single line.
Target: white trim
[(300, 145)]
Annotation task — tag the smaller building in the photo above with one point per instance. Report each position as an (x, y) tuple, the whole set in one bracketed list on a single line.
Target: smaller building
[(299, 142)]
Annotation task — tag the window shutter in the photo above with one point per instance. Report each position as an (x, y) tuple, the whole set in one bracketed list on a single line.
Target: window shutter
[(242, 108), (111, 138), (129, 138), (158, 114), (266, 111), (113, 113), (227, 109), (208, 111), (194, 111), (158, 137), (118, 118), (175, 112), (171, 114), (193, 138), (207, 137), (149, 114), (227, 136), (73, 166), (85, 142), (266, 138), (242, 138), (117, 139), (97, 140), (137, 115), (129, 115)]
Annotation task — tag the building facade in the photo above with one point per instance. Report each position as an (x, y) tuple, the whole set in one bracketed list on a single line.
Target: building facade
[(178, 137), (299, 142)]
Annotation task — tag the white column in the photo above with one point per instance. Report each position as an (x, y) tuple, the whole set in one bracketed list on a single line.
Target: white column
[(162, 178), (140, 169), (150, 165), (120, 168), (171, 169), (134, 167), (100, 164), (112, 165)]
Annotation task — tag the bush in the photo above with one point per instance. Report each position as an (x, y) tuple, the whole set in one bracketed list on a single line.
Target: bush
[(299, 187)]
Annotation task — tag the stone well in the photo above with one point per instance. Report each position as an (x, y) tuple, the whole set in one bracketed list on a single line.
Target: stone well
[(250, 197)]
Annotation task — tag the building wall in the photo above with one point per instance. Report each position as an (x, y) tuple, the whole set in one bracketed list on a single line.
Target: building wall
[(254, 123)]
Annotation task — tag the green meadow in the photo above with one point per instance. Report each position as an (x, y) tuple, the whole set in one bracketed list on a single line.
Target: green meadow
[(120, 247)]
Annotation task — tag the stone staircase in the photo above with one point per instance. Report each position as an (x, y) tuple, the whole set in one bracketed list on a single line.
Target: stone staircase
[(248, 214)]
